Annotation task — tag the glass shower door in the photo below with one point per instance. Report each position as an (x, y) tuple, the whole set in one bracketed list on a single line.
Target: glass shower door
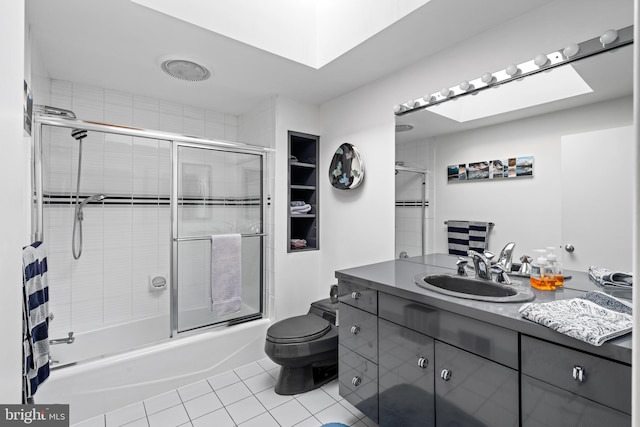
[(216, 192)]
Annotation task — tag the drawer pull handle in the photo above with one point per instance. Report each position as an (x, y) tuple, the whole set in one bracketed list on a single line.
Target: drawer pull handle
[(579, 374), (355, 329), (422, 362), (445, 374), (356, 381), (355, 295)]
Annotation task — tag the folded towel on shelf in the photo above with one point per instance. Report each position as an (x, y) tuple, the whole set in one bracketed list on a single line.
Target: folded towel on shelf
[(298, 243), (35, 320), (300, 209), (295, 203), (610, 302), (605, 277), (465, 235), (226, 274), (580, 319)]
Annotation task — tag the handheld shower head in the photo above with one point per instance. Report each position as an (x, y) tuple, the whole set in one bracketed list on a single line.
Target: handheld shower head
[(78, 134), (94, 198)]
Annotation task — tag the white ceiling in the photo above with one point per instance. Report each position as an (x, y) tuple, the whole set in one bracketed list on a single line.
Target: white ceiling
[(117, 44)]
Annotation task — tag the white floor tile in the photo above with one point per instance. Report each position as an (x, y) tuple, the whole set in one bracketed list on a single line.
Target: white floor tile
[(275, 373), (369, 422), (186, 424), (315, 400), (268, 364), (248, 371), (264, 420), (336, 413), (162, 402), (359, 424), (233, 393), (290, 413), (219, 418), (270, 399), (223, 380), (349, 407), (333, 390), (171, 417), (93, 422), (260, 382), (310, 422), (202, 405), (125, 415), (142, 422), (245, 409), (194, 390)]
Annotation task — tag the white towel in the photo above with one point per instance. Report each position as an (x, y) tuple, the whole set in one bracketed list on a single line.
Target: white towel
[(35, 319), (226, 274)]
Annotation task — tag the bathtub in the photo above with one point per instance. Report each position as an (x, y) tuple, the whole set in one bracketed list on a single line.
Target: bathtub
[(94, 387)]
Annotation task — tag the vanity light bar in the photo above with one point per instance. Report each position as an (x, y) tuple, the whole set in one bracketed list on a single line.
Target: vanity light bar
[(610, 40)]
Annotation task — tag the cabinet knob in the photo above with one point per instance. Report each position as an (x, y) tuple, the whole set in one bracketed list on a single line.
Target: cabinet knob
[(355, 295), (422, 362), (445, 374), (569, 248), (355, 329), (356, 381), (579, 374)]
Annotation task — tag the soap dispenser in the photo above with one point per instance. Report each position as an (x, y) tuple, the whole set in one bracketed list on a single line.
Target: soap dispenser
[(555, 266), (541, 275)]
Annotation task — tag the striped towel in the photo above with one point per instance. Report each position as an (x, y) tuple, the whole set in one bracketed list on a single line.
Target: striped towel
[(35, 311), (465, 235)]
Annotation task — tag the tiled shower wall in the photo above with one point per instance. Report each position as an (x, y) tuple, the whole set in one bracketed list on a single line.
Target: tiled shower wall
[(124, 244)]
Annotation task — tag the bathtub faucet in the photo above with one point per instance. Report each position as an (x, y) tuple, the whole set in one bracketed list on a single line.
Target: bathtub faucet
[(69, 340)]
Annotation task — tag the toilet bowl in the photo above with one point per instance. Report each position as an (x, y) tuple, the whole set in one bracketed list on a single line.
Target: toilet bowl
[(306, 348)]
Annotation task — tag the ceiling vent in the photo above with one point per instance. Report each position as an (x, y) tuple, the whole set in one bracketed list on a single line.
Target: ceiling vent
[(185, 70)]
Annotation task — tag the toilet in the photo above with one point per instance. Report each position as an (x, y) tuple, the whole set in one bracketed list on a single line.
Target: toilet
[(306, 348)]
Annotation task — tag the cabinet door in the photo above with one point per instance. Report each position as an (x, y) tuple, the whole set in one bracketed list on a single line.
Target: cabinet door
[(358, 381), (359, 331), (472, 391), (405, 366), (545, 405)]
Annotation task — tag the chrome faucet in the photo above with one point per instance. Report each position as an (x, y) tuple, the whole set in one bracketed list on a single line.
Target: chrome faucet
[(68, 340), (462, 263), (481, 264), (505, 257)]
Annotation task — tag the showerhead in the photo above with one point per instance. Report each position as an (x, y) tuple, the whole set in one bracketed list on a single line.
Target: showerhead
[(94, 198), (78, 134)]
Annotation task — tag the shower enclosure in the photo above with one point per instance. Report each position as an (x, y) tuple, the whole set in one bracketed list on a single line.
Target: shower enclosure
[(145, 271), (411, 207)]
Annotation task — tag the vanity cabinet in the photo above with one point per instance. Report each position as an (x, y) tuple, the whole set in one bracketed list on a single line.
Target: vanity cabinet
[(563, 386), (303, 187), (358, 348)]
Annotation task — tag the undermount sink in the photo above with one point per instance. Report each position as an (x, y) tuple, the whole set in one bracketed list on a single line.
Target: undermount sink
[(475, 289)]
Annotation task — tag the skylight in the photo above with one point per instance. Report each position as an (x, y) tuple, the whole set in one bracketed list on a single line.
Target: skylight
[(559, 83)]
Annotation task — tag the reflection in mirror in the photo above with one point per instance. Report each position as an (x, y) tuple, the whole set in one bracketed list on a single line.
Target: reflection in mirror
[(581, 193), (346, 170)]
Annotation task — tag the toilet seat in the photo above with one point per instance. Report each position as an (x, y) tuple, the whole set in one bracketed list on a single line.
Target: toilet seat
[(298, 329)]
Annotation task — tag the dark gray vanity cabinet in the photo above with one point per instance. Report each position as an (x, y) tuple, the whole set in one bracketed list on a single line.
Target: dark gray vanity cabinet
[(563, 386), (358, 348), (406, 387)]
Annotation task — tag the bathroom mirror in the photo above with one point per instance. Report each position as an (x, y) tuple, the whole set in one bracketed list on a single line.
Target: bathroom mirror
[(346, 170), (576, 143)]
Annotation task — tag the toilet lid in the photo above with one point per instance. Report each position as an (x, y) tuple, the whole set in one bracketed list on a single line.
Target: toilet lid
[(297, 329)]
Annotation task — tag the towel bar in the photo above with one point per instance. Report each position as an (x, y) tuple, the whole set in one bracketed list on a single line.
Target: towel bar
[(186, 239), (491, 224)]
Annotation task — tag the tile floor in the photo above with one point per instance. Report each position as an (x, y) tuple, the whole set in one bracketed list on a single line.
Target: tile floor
[(242, 397)]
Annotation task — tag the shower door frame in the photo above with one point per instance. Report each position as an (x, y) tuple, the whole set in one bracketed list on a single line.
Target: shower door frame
[(423, 204), (66, 121)]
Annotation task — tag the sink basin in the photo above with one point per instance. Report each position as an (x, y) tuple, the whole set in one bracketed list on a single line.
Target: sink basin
[(475, 289)]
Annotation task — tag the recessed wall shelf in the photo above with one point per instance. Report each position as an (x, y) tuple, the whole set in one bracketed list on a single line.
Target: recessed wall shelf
[(303, 190)]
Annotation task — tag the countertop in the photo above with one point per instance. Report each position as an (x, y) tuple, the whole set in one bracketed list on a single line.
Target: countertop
[(396, 278)]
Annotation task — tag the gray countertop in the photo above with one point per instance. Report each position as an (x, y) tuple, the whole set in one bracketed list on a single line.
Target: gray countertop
[(396, 278)]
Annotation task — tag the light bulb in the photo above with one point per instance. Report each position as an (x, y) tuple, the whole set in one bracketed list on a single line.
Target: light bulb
[(540, 60), (571, 50), (445, 91), (411, 103), (608, 37), (428, 98), (487, 78), (398, 108), (465, 85), (512, 70)]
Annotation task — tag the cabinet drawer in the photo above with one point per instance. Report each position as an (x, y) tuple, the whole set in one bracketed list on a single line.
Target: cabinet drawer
[(472, 391), (358, 331), (358, 382), (598, 379), (358, 296), (547, 405), (487, 340)]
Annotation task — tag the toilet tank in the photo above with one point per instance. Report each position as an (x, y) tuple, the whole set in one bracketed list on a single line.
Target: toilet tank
[(325, 309)]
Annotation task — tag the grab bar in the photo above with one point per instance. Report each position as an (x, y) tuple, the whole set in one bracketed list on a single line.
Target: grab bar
[(191, 238), (68, 340)]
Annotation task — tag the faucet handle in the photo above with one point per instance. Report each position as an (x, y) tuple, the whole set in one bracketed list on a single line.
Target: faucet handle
[(462, 263)]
